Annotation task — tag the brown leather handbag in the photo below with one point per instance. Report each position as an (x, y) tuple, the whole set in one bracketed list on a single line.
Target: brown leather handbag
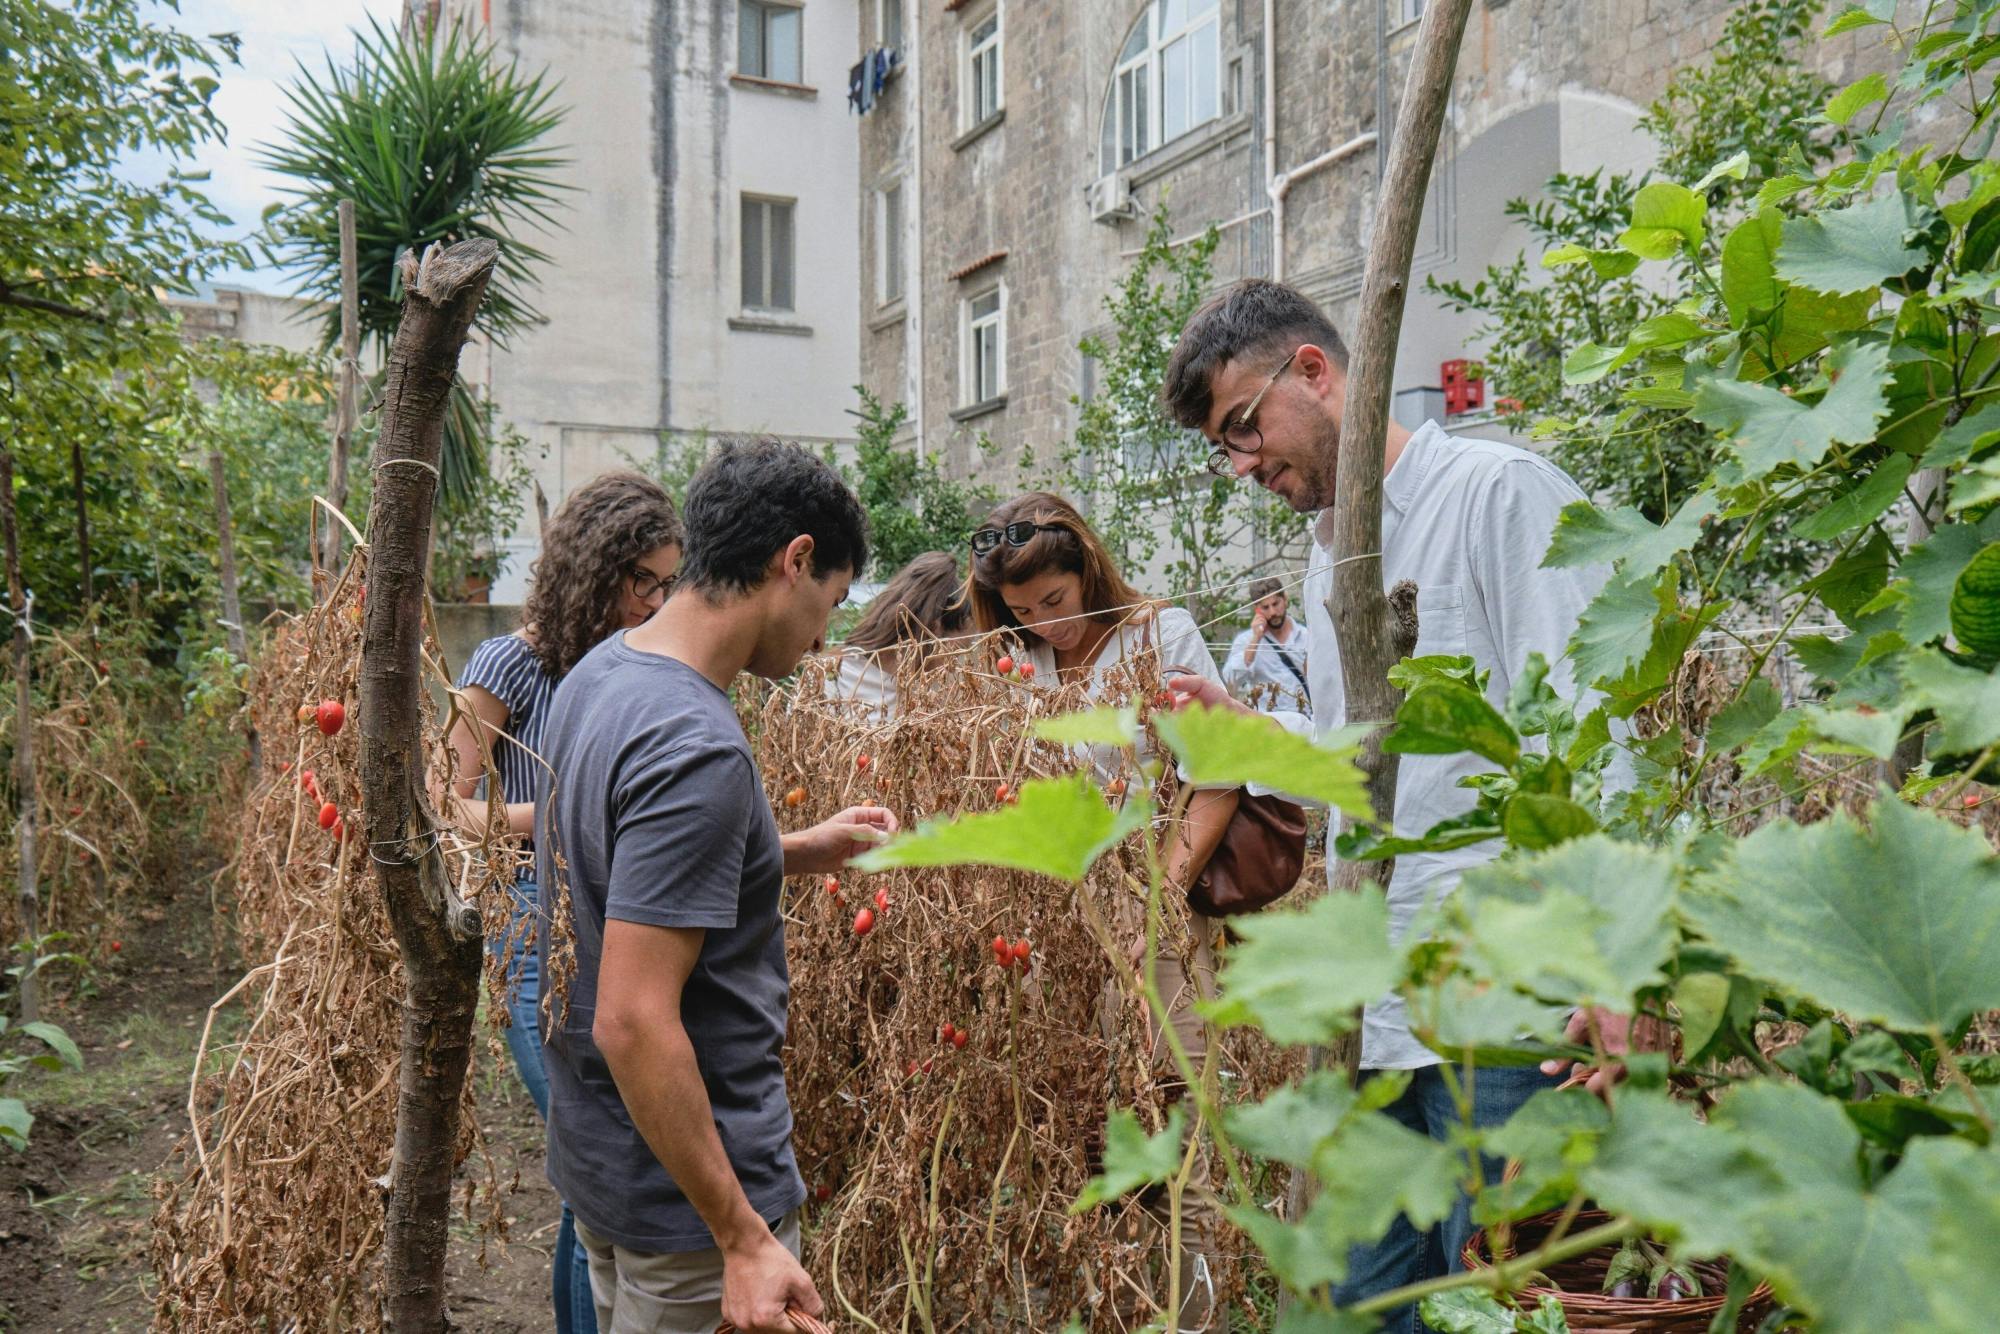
[(1260, 858)]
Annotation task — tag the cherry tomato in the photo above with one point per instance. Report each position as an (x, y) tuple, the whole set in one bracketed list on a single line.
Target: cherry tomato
[(796, 797), (1021, 950), (329, 816), (959, 1037), (881, 900), (331, 715), (833, 885), (861, 763), (1005, 666), (864, 921), (1027, 671)]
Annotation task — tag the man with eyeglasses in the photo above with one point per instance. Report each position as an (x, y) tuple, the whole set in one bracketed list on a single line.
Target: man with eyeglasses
[(1262, 374)]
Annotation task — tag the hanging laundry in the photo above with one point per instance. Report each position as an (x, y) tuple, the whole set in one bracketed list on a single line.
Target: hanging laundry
[(857, 87)]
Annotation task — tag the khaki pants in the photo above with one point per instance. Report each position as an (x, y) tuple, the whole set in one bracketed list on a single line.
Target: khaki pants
[(680, 1292)]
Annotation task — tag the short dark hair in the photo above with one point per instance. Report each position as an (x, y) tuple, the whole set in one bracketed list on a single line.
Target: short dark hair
[(1244, 319), (750, 500), (1263, 588)]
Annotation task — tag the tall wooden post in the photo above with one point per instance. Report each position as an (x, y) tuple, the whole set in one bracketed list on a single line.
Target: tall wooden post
[(345, 410), (30, 900), (232, 605), (437, 933)]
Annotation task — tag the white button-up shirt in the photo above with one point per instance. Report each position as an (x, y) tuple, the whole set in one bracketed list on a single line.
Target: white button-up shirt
[(1468, 522), (1277, 675)]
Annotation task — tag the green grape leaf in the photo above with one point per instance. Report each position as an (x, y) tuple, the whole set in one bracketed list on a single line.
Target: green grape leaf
[(1975, 604), (1452, 669), (1443, 718), (1466, 1020), (1623, 537), (1133, 1158), (1057, 827), (1308, 1254), (1895, 923), (1960, 1268), (1228, 747), (1863, 503), (1847, 103), (1851, 249), (1964, 438), (1734, 725), (1302, 1319), (1103, 726), (1665, 216), (1289, 1124), (1929, 575), (1615, 632), (1549, 1139), (1770, 429), (1302, 974), (1536, 820), (1364, 843), (1796, 321), (1966, 701), (1376, 1168), (1589, 920), (1703, 1000)]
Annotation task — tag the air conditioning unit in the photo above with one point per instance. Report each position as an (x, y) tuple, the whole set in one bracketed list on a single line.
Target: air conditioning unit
[(1110, 199)]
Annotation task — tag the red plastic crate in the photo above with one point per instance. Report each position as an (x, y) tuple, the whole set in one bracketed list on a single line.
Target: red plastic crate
[(1461, 392)]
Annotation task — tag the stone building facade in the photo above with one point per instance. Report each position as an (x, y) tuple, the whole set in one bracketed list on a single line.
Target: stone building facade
[(1280, 144)]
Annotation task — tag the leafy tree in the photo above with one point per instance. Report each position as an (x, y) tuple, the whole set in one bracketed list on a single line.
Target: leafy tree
[(912, 506), (1545, 323), (434, 140), (1142, 474)]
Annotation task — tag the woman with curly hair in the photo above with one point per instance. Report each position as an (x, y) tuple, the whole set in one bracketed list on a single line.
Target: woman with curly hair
[(921, 605), (608, 560)]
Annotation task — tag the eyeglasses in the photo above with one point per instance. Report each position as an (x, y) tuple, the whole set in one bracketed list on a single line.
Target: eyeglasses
[(1016, 534), (1242, 436), (645, 584)]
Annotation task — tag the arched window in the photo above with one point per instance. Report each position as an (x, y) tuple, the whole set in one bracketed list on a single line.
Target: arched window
[(1166, 80)]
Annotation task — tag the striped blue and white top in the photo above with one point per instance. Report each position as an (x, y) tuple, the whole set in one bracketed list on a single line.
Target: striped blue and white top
[(507, 668)]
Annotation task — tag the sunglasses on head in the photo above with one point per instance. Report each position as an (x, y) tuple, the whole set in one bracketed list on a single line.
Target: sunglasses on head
[(1016, 534)]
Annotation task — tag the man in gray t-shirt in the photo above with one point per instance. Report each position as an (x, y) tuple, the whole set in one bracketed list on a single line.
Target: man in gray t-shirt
[(669, 1128)]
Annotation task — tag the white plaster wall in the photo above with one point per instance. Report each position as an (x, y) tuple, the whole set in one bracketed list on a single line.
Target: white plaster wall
[(733, 138)]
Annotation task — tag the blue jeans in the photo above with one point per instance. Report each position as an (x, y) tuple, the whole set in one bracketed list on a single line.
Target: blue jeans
[(569, 1283), (1406, 1255)]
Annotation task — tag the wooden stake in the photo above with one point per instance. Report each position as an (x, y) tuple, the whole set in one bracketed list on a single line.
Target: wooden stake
[(345, 411), (24, 744), (1373, 634), (232, 606), (437, 933)]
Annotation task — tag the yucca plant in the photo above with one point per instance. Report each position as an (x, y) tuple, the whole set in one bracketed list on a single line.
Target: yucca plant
[(434, 138)]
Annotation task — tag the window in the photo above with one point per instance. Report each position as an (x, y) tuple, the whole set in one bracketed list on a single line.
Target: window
[(985, 347), (767, 254), (889, 249), (1412, 10), (982, 70), (1164, 452), (889, 31), (1166, 81), (768, 41)]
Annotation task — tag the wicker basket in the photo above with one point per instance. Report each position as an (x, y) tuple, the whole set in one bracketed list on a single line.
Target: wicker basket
[(802, 1322), (1579, 1286)]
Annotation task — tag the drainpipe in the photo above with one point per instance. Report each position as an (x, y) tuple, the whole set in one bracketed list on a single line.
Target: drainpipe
[(1282, 183), (1271, 138), (913, 293)]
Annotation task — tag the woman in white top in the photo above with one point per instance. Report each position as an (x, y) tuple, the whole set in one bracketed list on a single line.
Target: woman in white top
[(920, 605), (1039, 569)]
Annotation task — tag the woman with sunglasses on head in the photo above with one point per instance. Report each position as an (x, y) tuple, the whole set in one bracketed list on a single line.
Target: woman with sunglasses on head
[(1040, 570), (922, 604), (608, 560)]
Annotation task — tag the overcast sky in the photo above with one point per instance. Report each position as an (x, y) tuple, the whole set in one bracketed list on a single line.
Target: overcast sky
[(277, 35)]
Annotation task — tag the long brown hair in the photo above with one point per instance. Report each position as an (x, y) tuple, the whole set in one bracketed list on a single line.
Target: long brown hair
[(1066, 543), (919, 605), (588, 550)]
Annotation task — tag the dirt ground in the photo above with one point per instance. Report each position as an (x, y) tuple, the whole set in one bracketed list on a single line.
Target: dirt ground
[(76, 1208)]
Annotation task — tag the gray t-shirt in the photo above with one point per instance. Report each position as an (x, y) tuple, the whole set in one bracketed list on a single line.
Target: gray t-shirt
[(659, 814)]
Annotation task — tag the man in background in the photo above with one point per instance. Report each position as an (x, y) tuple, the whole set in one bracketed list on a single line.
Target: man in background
[(1267, 662)]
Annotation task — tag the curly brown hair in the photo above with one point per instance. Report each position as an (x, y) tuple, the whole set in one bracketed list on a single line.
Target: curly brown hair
[(588, 548)]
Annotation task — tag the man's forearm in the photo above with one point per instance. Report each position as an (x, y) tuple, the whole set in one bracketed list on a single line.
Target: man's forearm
[(657, 1076)]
